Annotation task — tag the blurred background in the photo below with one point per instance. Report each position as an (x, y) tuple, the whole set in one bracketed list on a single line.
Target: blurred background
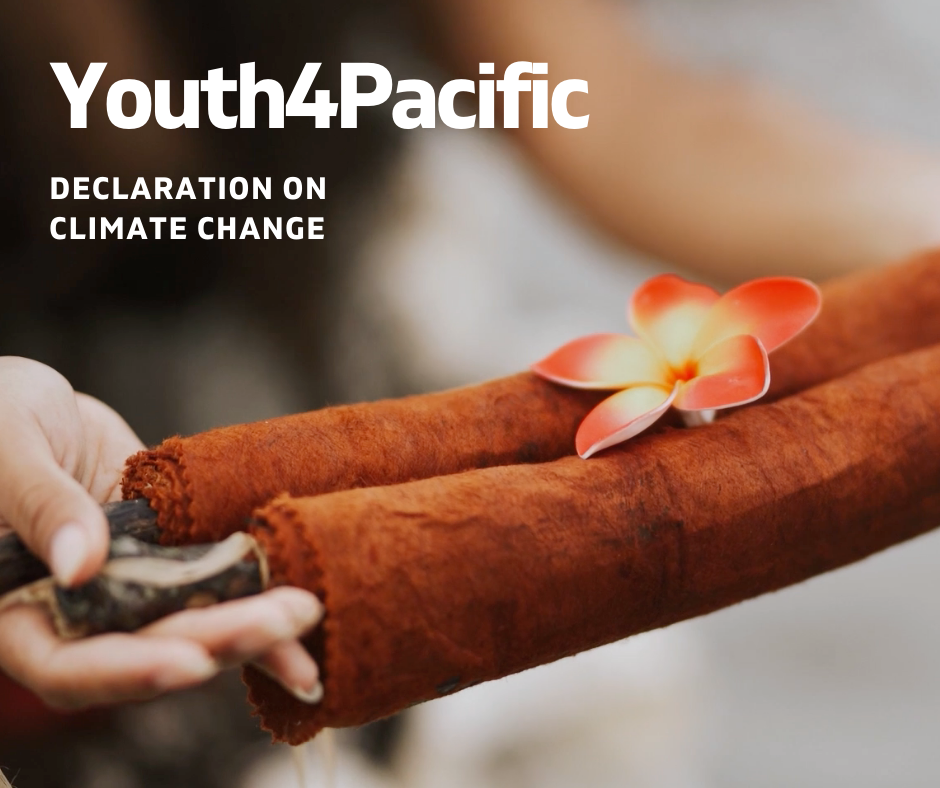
[(450, 257)]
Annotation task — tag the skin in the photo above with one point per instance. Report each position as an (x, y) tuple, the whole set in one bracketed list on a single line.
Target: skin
[(60, 458), (701, 170)]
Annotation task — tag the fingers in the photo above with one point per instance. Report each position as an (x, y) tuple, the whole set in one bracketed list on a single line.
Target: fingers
[(237, 631), (177, 652), (262, 630), (49, 509), (291, 666), (101, 670), (42, 452), (60, 454), (109, 442)]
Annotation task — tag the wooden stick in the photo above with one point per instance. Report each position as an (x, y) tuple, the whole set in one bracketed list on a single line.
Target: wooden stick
[(142, 583), (19, 567)]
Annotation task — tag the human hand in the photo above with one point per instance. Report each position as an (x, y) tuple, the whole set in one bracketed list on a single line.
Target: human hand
[(61, 456)]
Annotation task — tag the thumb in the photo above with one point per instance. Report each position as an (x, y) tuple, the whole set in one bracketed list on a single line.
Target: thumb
[(52, 513)]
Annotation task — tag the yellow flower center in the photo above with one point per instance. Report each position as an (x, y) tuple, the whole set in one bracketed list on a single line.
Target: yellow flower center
[(684, 373)]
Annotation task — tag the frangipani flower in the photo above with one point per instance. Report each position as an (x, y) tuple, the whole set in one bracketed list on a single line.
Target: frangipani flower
[(695, 350)]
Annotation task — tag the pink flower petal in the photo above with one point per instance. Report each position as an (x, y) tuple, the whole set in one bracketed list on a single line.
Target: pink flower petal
[(774, 309), (669, 312), (603, 361), (732, 372), (622, 416)]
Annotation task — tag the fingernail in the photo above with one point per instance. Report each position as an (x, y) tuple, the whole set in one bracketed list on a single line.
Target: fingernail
[(68, 553), (185, 672), (311, 696)]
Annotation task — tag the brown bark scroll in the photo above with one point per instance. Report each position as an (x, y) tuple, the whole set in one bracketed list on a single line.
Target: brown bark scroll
[(866, 316), (436, 585), (205, 486)]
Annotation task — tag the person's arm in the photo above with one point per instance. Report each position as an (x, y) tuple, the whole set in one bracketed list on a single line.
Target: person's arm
[(702, 171), (61, 456)]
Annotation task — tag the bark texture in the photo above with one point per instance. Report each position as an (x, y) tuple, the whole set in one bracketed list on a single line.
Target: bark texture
[(437, 585), (158, 583), (204, 487)]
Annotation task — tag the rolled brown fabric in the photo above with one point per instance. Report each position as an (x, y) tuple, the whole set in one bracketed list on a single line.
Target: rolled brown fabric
[(866, 316), (204, 487), (437, 585)]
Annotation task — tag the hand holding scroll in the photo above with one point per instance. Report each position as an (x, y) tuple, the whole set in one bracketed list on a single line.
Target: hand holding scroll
[(61, 456)]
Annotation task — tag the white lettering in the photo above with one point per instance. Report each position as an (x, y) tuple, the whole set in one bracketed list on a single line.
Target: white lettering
[(560, 104), (165, 117), (424, 104), (116, 95), (350, 97), (216, 86), (78, 95), (446, 104)]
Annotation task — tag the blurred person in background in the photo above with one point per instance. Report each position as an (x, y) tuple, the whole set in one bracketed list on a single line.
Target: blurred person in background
[(706, 172)]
